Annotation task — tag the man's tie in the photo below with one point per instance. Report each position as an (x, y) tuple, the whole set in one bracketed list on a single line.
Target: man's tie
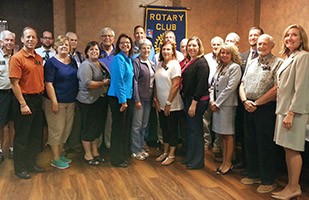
[(254, 54), (46, 57)]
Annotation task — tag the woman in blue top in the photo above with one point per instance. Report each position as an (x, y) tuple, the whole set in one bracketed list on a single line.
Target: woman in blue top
[(120, 99), (61, 86)]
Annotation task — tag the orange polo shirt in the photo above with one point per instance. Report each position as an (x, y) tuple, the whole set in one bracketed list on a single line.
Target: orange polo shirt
[(29, 70)]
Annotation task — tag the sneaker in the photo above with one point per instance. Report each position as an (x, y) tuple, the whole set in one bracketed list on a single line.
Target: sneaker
[(138, 156), (59, 164), (145, 154), (1, 157), (250, 181), (65, 159), (266, 188), (146, 147)]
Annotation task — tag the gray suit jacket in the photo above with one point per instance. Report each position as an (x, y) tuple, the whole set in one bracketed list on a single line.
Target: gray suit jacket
[(293, 84), (224, 88)]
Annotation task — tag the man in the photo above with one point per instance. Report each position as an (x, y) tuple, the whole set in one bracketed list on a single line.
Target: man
[(183, 47), (139, 34), (27, 79), (73, 143), (170, 36), (211, 58), (46, 51), (107, 37), (232, 38), (258, 92), (7, 40), (254, 34), (73, 39), (246, 57)]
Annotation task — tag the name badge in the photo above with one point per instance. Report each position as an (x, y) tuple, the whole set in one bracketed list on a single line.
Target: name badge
[(2, 62), (37, 62)]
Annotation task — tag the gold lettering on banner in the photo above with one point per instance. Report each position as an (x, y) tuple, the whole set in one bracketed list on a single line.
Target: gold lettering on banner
[(166, 17), (166, 27)]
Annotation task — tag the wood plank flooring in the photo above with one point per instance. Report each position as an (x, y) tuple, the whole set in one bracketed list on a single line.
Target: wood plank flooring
[(142, 180)]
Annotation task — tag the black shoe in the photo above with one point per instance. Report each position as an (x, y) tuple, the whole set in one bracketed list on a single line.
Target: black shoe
[(36, 169), (239, 165), (123, 165), (193, 168), (23, 175)]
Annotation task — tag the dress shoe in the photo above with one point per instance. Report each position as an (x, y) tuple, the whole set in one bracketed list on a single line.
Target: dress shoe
[(36, 169), (220, 172), (183, 162), (23, 175), (295, 195), (193, 168), (123, 165)]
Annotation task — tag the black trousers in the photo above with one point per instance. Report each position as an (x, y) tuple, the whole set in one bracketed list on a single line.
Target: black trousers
[(121, 128), (28, 133), (260, 147)]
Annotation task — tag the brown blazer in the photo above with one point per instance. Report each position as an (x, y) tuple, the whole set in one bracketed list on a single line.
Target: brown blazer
[(293, 84)]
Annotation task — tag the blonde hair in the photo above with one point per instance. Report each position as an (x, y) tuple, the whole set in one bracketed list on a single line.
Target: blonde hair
[(231, 48), (60, 40), (303, 36)]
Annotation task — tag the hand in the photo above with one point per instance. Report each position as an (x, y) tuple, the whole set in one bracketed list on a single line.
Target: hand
[(138, 105), (25, 110), (191, 111), (213, 107), (106, 81), (123, 107), (55, 107), (288, 120), (167, 109), (250, 106)]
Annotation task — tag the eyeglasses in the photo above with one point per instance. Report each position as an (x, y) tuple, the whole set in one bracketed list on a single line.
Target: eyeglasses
[(47, 38)]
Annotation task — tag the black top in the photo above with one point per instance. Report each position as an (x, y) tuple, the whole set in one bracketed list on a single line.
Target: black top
[(195, 79)]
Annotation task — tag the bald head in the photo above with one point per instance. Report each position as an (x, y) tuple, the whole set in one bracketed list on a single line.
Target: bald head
[(265, 44)]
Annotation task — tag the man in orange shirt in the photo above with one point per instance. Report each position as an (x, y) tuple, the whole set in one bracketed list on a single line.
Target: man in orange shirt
[(27, 79)]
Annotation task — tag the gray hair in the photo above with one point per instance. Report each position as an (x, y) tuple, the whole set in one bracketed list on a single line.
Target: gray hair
[(144, 41), (6, 32), (217, 38), (106, 30)]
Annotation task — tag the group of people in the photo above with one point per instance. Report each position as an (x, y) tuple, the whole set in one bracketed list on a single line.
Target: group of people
[(115, 89)]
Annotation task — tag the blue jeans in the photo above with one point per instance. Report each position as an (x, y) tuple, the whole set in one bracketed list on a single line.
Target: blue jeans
[(139, 126), (195, 134)]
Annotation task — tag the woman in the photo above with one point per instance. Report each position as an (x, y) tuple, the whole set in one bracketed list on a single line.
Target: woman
[(142, 94), (94, 78), (223, 101), (167, 100), (292, 106), (195, 97), (121, 103), (61, 86)]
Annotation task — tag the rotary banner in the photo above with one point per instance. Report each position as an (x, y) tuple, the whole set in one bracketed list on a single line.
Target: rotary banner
[(160, 19)]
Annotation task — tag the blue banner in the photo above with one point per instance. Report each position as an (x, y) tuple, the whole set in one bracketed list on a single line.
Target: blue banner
[(160, 19)]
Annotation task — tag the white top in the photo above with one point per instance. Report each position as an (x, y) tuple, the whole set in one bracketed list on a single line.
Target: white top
[(5, 83), (212, 63), (42, 51), (179, 57), (163, 78)]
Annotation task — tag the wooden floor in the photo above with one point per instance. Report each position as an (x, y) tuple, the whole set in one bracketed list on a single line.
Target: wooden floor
[(141, 180)]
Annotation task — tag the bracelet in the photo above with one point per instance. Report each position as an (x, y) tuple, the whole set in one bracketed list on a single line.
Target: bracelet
[(22, 106)]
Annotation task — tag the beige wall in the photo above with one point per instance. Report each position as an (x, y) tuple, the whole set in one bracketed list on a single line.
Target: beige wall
[(206, 19)]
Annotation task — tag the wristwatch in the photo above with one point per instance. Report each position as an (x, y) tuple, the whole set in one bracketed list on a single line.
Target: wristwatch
[(168, 103)]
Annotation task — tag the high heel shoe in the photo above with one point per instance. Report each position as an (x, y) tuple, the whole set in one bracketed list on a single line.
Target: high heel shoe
[(295, 195), (220, 172), (162, 157)]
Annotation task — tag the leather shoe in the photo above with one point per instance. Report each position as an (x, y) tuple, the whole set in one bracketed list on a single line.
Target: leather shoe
[(193, 168), (23, 175), (36, 169), (123, 165)]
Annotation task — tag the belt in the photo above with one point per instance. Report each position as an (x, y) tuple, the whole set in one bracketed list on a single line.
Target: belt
[(6, 91), (33, 95)]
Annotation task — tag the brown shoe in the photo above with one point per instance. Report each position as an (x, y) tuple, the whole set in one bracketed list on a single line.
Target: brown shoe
[(161, 157), (250, 181), (266, 188)]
